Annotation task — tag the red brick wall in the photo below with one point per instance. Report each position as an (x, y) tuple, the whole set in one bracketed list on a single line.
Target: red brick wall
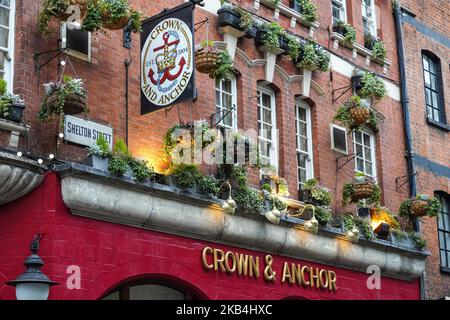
[(429, 142), (109, 255)]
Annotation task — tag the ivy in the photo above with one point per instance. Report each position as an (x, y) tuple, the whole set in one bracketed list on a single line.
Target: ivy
[(373, 87), (224, 67), (379, 50), (309, 10)]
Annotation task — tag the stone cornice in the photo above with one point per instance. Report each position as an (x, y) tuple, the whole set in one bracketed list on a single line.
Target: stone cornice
[(96, 194)]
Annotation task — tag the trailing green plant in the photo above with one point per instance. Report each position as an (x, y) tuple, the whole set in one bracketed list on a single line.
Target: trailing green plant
[(314, 57), (142, 171), (309, 10), (100, 148), (118, 165), (61, 89), (294, 47), (50, 9), (136, 21), (348, 190), (93, 20), (433, 208), (379, 50), (372, 87), (3, 86), (186, 175), (399, 234), (273, 33), (224, 66), (248, 200), (323, 215), (365, 227), (246, 18), (343, 115), (117, 10), (208, 185), (349, 32), (417, 240), (320, 195), (7, 99), (348, 221)]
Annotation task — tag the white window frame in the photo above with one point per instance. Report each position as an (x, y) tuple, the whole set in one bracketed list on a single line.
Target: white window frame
[(74, 53), (373, 20), (343, 4), (9, 52), (274, 143), (373, 153), (333, 147), (300, 104), (219, 115)]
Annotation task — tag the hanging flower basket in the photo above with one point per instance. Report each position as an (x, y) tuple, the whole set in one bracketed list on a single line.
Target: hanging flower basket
[(419, 208), (205, 60), (73, 103), (362, 190), (360, 115), (116, 24)]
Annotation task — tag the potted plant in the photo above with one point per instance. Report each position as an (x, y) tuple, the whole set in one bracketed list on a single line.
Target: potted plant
[(227, 16), (98, 156), (349, 227), (223, 67), (269, 37), (365, 228), (57, 9), (417, 240), (11, 105), (372, 87), (323, 215), (208, 185), (119, 160), (206, 57), (68, 97), (400, 238), (185, 176), (142, 171), (423, 205), (317, 195), (313, 57), (379, 50), (346, 30), (308, 10), (362, 187), (354, 114)]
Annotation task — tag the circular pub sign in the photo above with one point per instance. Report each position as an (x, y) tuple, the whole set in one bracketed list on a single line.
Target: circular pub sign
[(167, 62)]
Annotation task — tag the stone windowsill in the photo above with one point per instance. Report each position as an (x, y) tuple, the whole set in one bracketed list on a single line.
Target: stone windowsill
[(97, 194), (360, 50), (290, 13)]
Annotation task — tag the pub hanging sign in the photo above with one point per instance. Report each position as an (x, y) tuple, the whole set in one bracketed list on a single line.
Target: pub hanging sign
[(167, 59)]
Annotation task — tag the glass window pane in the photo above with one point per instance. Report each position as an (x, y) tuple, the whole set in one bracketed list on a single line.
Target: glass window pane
[(434, 99), (303, 129), (358, 137), (359, 150), (425, 63), (301, 160), (448, 260), (226, 101), (433, 82), (360, 165), (226, 85), (436, 114), (428, 96), (432, 66), (369, 170), (441, 240), (368, 154), (304, 144), (302, 175), (267, 116), (113, 296), (4, 17), (218, 98), (302, 114), (266, 100), (441, 221), (4, 37), (427, 79), (443, 260), (367, 140)]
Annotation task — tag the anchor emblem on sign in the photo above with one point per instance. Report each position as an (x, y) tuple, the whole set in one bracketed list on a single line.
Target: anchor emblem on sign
[(166, 61)]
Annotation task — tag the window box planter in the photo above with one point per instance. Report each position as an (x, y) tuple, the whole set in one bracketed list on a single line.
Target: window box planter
[(284, 46), (251, 33), (16, 112), (356, 82), (260, 43), (229, 17), (96, 162), (339, 29), (401, 241)]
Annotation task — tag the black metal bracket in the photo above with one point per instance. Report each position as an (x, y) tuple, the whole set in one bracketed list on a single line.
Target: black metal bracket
[(401, 181), (201, 24), (57, 52), (198, 2), (347, 89), (212, 117), (349, 158), (127, 36)]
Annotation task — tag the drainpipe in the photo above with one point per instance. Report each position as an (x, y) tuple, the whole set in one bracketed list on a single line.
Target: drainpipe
[(406, 120), (127, 68)]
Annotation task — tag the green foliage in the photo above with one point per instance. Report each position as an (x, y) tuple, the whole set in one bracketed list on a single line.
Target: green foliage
[(3, 86), (379, 50), (274, 3), (399, 234), (309, 10), (100, 148), (365, 227), (186, 175), (347, 193), (93, 20), (320, 195), (50, 9), (417, 240), (141, 170), (405, 209), (294, 47), (135, 21), (208, 184), (246, 19), (348, 220), (314, 57), (224, 67), (323, 215), (373, 87), (266, 187), (344, 116), (349, 32), (272, 37), (121, 149), (68, 87), (433, 209), (348, 190), (118, 165), (248, 200)]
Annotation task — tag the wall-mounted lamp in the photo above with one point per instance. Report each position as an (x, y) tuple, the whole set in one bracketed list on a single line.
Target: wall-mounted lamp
[(310, 225), (273, 215), (229, 206), (353, 234), (32, 284)]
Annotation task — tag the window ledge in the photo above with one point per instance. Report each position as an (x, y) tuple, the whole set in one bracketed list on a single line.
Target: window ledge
[(438, 125), (445, 270), (359, 49), (288, 12)]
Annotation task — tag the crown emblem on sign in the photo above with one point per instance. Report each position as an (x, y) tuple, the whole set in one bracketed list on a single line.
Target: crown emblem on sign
[(166, 60)]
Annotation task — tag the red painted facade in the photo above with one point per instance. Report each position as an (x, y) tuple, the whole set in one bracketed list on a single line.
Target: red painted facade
[(111, 254)]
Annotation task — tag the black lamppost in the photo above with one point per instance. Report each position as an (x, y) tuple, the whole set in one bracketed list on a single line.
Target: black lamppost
[(32, 284)]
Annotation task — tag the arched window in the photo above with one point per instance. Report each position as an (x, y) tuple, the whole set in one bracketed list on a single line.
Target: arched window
[(267, 124), (444, 231), (434, 90), (152, 290)]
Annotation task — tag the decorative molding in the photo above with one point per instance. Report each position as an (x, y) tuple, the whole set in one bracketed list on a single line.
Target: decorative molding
[(18, 176), (16, 130), (98, 195)]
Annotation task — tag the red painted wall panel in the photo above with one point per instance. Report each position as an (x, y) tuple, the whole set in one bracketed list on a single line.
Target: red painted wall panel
[(110, 254)]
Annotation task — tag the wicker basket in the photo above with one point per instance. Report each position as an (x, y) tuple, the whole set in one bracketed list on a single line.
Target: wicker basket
[(205, 61), (419, 208), (115, 25), (73, 103), (362, 190), (82, 4), (360, 115)]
